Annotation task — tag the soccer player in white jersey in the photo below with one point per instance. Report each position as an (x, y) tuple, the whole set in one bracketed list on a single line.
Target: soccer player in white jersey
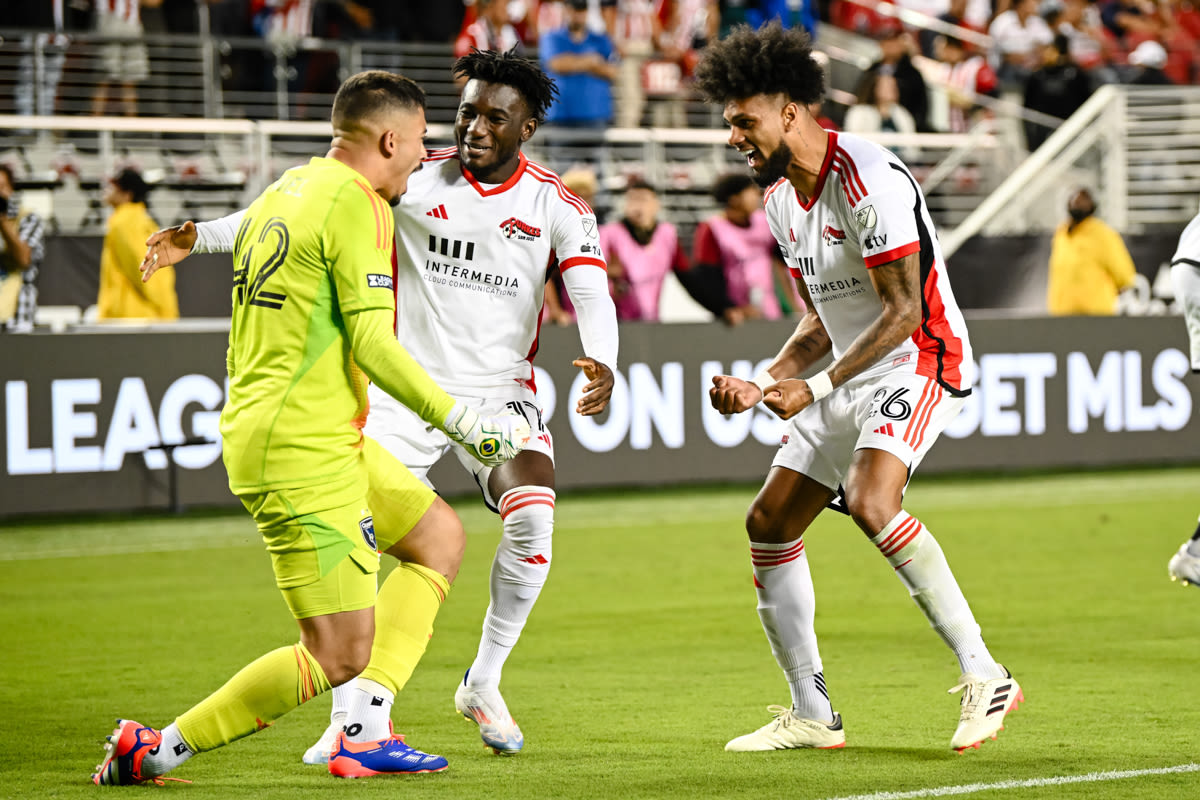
[(1185, 274), (860, 243), (476, 233)]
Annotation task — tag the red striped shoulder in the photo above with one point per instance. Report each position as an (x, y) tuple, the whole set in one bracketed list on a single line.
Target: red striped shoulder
[(772, 188), (540, 173), (850, 177), (441, 154)]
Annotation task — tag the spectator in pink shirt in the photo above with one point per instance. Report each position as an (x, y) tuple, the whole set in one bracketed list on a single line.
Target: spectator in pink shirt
[(641, 250), (737, 245)]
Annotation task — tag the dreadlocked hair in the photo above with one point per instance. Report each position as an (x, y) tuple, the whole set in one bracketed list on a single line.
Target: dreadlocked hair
[(770, 60), (510, 69)]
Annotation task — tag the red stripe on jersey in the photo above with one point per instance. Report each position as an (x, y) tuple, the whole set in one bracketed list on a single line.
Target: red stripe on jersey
[(440, 154), (772, 188), (546, 176), (847, 187), (522, 162), (537, 333), (894, 254), (941, 350), (831, 147), (582, 261), (375, 209), (848, 162), (517, 506), (910, 434)]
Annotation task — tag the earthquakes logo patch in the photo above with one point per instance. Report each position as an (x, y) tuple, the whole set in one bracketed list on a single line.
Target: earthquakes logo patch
[(375, 281), (516, 229), (832, 236), (367, 526), (589, 227), (865, 217)]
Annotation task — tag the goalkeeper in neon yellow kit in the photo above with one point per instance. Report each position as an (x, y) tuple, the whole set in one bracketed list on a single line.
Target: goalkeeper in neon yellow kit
[(313, 318)]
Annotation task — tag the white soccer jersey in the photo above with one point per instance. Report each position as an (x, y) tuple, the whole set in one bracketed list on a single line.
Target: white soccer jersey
[(868, 210), (1185, 273), (472, 268)]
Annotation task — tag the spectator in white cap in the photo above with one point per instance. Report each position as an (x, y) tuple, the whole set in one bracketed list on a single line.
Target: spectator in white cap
[(1149, 58)]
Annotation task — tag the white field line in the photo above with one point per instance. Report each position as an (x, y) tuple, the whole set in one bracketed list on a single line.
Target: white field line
[(971, 788)]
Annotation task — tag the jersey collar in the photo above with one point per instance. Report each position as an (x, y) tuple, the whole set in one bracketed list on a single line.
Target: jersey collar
[(821, 176), (504, 187)]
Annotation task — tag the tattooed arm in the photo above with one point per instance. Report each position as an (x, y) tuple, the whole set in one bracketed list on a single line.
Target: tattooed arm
[(899, 287), (805, 347)]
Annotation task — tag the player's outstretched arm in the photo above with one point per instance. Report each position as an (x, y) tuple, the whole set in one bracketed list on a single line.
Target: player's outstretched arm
[(491, 440), (167, 247), (587, 286), (599, 388), (172, 245)]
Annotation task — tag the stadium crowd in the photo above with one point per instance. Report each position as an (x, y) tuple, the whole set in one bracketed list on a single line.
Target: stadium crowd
[(1051, 51)]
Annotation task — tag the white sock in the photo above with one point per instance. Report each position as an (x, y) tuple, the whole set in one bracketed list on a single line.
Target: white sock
[(167, 756), (342, 697), (369, 712), (787, 607), (921, 566), (519, 571)]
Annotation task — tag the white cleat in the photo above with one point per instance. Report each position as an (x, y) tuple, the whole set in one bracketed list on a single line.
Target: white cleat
[(788, 732), (1184, 567), (985, 703), (318, 754), (486, 708)]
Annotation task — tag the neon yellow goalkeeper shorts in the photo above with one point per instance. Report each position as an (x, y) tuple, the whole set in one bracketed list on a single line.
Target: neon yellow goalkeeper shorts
[(322, 539)]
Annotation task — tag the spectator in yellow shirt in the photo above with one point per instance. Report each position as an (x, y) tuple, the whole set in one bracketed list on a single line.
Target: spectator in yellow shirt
[(1089, 263), (123, 295)]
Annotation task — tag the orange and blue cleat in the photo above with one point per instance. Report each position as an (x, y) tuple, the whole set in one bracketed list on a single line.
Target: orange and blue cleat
[(389, 756), (124, 751)]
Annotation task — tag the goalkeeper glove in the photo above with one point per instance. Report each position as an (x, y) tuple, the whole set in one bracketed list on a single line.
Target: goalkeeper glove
[(491, 440)]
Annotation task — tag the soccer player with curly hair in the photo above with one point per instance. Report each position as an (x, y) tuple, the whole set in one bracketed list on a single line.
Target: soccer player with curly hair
[(858, 239)]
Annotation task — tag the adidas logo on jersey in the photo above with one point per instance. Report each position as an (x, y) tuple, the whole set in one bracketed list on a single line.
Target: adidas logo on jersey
[(439, 212), (886, 430)]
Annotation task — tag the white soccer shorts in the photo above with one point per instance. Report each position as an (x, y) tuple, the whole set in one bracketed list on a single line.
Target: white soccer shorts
[(1186, 278), (900, 413), (418, 445)]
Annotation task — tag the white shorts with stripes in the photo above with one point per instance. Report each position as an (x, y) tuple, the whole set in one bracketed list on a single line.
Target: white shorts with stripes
[(418, 445), (899, 412)]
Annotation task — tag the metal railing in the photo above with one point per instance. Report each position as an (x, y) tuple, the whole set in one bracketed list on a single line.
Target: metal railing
[(1136, 148), (205, 168)]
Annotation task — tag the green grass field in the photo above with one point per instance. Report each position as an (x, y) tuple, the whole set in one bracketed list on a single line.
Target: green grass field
[(645, 652)]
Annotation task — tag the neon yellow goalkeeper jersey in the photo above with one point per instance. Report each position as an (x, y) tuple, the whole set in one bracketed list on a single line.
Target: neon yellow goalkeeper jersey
[(314, 247)]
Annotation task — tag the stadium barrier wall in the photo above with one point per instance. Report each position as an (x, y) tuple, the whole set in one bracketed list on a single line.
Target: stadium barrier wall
[(84, 412)]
